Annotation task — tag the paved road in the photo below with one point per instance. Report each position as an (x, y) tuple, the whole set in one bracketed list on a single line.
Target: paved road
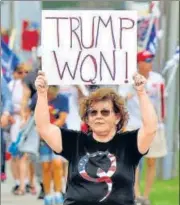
[(8, 199)]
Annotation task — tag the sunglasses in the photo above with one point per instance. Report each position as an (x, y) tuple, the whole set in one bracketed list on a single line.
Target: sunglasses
[(22, 72), (148, 60), (104, 112)]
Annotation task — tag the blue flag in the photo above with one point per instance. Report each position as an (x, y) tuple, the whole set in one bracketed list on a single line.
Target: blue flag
[(153, 40), (9, 61)]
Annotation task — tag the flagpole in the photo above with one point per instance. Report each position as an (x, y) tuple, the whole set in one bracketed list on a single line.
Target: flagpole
[(12, 39), (11, 14), (11, 23)]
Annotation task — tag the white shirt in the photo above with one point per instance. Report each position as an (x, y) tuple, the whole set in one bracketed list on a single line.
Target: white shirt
[(16, 87), (154, 82)]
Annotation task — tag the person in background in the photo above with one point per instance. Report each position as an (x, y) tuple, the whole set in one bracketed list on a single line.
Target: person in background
[(18, 165), (74, 94), (29, 91), (155, 90), (6, 110), (52, 164)]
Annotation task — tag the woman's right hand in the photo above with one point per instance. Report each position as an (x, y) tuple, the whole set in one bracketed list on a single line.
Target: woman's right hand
[(41, 83)]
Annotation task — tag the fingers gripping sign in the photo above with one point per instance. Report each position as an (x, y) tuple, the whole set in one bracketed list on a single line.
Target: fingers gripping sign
[(41, 82), (139, 82)]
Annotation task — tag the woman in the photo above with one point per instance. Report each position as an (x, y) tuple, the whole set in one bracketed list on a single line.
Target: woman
[(15, 87), (102, 163), (19, 167)]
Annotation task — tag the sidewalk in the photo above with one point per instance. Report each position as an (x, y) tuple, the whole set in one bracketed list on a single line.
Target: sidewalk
[(9, 199)]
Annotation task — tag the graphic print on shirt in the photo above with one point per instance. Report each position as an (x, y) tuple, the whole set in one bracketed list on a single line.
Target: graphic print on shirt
[(103, 176)]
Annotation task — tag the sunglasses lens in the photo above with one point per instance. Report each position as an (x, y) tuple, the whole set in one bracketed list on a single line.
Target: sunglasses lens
[(148, 60), (105, 113), (93, 113), (20, 72)]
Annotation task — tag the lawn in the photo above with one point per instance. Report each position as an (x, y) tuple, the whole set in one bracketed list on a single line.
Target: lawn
[(164, 192)]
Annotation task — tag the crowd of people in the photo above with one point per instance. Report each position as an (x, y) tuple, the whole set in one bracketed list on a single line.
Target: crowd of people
[(32, 156)]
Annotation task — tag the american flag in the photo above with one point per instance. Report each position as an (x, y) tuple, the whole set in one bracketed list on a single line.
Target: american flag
[(153, 35), (101, 174), (153, 40), (148, 29), (143, 25), (9, 61)]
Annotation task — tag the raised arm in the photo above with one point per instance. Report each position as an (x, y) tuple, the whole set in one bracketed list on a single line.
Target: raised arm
[(49, 132), (148, 130)]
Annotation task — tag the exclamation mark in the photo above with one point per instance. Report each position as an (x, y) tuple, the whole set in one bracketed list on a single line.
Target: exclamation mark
[(126, 71)]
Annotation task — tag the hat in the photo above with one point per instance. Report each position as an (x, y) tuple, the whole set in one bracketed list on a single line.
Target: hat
[(145, 56)]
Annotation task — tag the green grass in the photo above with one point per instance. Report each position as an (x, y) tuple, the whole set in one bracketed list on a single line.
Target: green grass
[(164, 192)]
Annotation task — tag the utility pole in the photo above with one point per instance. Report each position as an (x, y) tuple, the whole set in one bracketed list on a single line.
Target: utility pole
[(172, 117), (11, 15), (11, 24)]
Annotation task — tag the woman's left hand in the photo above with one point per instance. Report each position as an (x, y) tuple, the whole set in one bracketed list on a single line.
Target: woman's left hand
[(139, 82)]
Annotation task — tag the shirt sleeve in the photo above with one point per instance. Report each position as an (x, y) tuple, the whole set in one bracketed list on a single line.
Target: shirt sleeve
[(71, 140), (132, 146)]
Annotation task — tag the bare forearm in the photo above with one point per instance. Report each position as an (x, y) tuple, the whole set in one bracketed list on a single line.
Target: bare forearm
[(49, 132), (24, 102), (42, 112), (148, 113)]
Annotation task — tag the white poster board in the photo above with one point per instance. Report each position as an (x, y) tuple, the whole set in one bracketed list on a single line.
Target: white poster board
[(89, 47)]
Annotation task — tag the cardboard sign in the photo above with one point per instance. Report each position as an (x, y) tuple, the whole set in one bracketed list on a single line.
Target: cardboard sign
[(89, 47)]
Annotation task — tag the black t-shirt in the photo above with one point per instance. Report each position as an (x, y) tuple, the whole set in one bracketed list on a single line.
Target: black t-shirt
[(100, 173)]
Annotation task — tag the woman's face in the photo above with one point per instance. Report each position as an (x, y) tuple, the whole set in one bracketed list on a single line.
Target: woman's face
[(20, 74), (102, 118)]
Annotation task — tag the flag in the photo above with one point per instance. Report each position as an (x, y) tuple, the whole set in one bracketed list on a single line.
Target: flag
[(5, 35), (143, 25), (172, 61), (9, 61), (172, 65), (177, 51), (29, 36), (153, 40), (148, 30), (153, 35)]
